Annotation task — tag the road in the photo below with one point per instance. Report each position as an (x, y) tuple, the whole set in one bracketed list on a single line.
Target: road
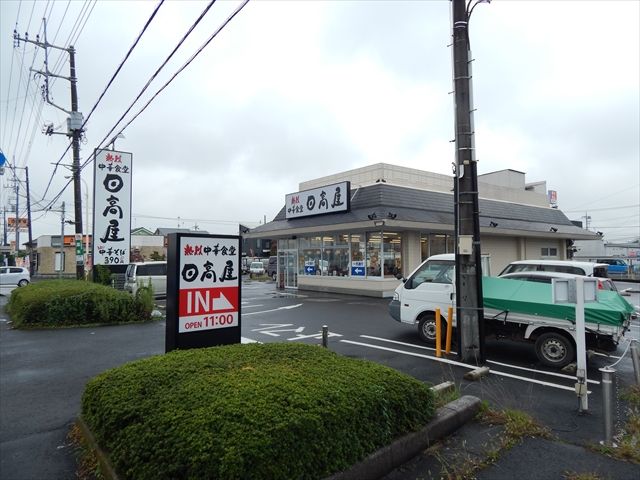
[(44, 371)]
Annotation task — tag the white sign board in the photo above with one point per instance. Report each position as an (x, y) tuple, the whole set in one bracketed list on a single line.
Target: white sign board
[(208, 284), (111, 207), (318, 201)]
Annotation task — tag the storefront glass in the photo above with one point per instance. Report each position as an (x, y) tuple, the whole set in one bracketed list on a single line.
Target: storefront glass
[(392, 253), (358, 252), (310, 255), (335, 256), (374, 242)]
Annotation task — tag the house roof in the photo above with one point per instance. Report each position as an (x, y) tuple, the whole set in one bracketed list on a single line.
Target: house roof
[(424, 210), (166, 231)]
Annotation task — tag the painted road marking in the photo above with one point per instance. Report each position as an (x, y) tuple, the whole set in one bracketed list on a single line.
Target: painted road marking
[(555, 374), (460, 364), (317, 336), (273, 310)]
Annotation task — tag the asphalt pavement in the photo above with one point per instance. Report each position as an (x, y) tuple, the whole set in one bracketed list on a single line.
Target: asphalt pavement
[(43, 374)]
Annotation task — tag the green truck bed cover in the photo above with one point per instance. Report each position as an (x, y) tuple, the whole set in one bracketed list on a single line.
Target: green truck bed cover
[(507, 295)]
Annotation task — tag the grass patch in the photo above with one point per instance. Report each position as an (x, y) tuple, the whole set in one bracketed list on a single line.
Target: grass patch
[(65, 303), (628, 440), (581, 476), (515, 424), (258, 411), (88, 465), (446, 396)]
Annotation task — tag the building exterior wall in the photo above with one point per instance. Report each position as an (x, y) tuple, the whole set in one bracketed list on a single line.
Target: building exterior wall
[(501, 251)]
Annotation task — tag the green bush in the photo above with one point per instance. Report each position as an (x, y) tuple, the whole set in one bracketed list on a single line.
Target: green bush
[(54, 303), (272, 411), (103, 275)]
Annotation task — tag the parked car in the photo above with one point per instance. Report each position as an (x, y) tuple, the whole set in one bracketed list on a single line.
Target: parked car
[(547, 277), (256, 268), (14, 276), (616, 265), (139, 274), (589, 269), (272, 267)]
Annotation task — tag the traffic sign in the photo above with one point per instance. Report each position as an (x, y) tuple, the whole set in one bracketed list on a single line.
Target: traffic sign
[(358, 269)]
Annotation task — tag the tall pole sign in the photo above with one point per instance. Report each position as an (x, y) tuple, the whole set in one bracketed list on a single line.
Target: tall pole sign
[(112, 208), (203, 290)]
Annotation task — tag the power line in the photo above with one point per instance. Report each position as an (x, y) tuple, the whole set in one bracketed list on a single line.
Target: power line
[(133, 46), (206, 43), (603, 209), (155, 74)]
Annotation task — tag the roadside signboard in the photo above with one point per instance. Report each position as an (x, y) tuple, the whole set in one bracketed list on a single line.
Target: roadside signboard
[(310, 267), (358, 268), (318, 201), (203, 290), (112, 208)]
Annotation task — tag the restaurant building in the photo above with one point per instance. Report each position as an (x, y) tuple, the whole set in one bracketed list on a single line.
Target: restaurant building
[(354, 232)]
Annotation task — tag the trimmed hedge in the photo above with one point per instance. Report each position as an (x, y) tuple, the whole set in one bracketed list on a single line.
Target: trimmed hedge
[(259, 411), (56, 303)]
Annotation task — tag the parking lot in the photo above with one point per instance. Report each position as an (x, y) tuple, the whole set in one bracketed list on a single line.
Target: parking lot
[(44, 371)]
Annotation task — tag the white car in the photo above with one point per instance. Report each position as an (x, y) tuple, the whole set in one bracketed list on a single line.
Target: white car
[(10, 276), (256, 268)]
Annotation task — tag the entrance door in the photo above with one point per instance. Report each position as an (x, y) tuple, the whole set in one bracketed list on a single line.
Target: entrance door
[(288, 269)]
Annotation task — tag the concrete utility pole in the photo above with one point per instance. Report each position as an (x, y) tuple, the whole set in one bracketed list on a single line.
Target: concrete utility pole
[(469, 302), (74, 121), (62, 262), (32, 256)]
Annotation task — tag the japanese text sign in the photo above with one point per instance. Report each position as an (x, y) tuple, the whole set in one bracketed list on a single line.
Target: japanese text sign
[(317, 201), (203, 290), (111, 207)]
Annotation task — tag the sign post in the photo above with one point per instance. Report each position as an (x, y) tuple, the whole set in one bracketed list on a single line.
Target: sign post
[(578, 291), (203, 291)]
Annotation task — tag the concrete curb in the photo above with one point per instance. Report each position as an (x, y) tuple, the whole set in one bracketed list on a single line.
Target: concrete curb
[(106, 468), (446, 420)]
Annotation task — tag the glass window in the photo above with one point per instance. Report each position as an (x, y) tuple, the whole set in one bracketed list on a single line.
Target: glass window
[(436, 271), (374, 241), (310, 256), (335, 256), (424, 246), (358, 253), (392, 251), (438, 244)]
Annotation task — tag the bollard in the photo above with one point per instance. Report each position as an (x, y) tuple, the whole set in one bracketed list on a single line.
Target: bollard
[(325, 336), (438, 333), (447, 348), (635, 358), (607, 389)]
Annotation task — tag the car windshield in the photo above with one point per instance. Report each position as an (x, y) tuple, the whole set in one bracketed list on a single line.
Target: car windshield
[(436, 271), (257, 265)]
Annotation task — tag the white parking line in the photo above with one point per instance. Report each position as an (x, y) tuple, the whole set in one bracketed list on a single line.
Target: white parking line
[(460, 364), (273, 310), (554, 374), (250, 306)]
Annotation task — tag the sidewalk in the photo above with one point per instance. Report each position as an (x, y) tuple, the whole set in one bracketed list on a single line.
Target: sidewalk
[(477, 451)]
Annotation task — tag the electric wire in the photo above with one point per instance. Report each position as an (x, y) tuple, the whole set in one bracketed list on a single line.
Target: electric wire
[(154, 75), (20, 71), (180, 70), (187, 63), (6, 114), (124, 60)]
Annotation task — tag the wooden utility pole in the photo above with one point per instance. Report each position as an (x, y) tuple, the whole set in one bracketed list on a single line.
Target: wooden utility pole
[(469, 304)]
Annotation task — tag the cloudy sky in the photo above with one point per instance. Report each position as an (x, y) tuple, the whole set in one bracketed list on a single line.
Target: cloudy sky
[(294, 90)]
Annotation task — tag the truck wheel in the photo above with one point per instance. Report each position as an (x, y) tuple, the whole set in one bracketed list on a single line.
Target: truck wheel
[(427, 329), (555, 350)]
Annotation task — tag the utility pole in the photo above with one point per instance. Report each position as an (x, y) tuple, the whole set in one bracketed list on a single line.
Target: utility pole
[(74, 121), (62, 262), (469, 301), (32, 259), (17, 223)]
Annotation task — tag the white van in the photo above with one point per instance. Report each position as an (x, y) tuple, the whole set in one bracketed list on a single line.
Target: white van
[(588, 269), (141, 273)]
